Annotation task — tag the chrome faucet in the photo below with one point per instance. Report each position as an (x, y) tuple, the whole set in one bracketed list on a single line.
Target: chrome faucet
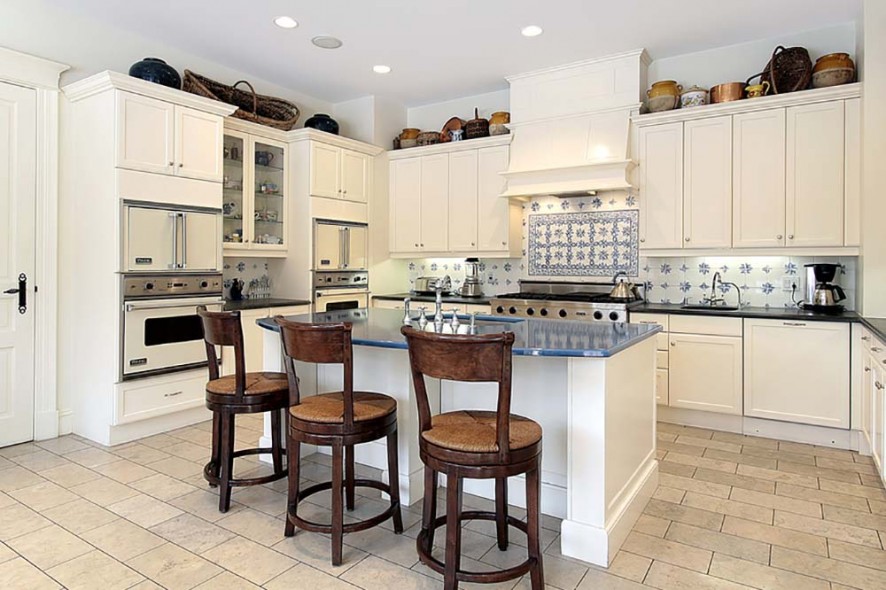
[(438, 303), (407, 317), (714, 299)]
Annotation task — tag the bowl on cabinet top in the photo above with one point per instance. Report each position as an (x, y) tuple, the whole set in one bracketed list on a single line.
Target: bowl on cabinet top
[(664, 88), (693, 97)]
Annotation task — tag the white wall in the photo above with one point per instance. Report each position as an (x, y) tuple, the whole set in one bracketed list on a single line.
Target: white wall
[(737, 63), (432, 117)]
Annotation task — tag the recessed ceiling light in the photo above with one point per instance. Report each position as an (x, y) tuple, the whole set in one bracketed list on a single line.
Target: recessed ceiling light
[(285, 22), (380, 69), (326, 42), (531, 31)]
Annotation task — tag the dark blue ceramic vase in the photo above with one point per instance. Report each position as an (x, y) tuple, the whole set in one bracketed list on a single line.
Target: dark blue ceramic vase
[(157, 71), (323, 122)]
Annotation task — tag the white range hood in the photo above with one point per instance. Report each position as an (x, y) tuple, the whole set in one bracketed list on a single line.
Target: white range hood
[(572, 127)]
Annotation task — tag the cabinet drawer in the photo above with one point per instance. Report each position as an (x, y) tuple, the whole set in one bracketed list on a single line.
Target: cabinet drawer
[(661, 341), (661, 387), (147, 398), (661, 359), (714, 326), (657, 319), (477, 308), (387, 303), (878, 351)]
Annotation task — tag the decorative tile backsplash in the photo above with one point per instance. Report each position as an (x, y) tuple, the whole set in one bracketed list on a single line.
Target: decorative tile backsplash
[(252, 271)]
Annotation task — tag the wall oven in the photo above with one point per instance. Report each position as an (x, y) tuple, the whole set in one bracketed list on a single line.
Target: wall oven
[(340, 290), (340, 246), (161, 239), (162, 332)]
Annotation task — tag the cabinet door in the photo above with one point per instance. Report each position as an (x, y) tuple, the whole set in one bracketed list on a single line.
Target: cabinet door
[(852, 173), (152, 240), (325, 171), (797, 371), (200, 241), (236, 205), (867, 397), (463, 201), (253, 339), (758, 179), (145, 131), (405, 195), (268, 195), (815, 175), (199, 143), (434, 203), (878, 420), (661, 387), (705, 373), (354, 176), (496, 217), (707, 183), (661, 186)]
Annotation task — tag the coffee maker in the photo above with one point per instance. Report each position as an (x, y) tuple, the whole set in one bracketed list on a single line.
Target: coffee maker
[(471, 287), (822, 295)]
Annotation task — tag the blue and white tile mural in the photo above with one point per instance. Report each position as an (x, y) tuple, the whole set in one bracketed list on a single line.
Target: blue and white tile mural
[(673, 279)]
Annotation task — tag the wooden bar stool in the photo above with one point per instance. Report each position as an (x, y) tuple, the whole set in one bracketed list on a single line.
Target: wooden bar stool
[(474, 444), (339, 420), (240, 393)]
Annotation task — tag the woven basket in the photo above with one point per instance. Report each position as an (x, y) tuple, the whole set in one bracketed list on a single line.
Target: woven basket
[(789, 70), (264, 110)]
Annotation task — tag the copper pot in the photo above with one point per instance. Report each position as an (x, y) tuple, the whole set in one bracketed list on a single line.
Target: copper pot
[(727, 92)]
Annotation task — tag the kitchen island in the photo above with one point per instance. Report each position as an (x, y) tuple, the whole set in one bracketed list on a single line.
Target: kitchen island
[(590, 386)]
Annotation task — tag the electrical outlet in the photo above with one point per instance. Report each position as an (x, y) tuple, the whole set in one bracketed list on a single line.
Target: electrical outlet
[(788, 282)]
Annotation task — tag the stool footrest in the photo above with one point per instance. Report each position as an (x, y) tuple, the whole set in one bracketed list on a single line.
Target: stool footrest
[(209, 476), (353, 527)]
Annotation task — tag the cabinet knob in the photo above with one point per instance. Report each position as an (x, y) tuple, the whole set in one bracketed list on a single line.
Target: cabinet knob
[(344, 192), (867, 369), (779, 236), (791, 236), (172, 163), (642, 240), (504, 243), (673, 344), (416, 245), (181, 164), (422, 245), (473, 244), (865, 338), (876, 348), (686, 238)]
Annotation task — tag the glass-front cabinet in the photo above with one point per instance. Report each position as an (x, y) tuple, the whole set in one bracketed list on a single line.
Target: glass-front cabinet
[(254, 205)]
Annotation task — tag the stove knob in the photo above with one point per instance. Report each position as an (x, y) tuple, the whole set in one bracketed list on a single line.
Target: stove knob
[(613, 315), (149, 286), (512, 310), (499, 309), (598, 315), (543, 312), (204, 284), (530, 311), (562, 313)]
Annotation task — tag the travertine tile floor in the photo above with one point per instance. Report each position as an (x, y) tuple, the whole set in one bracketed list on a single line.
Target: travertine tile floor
[(731, 512)]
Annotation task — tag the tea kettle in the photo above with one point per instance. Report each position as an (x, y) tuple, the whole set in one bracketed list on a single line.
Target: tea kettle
[(624, 289)]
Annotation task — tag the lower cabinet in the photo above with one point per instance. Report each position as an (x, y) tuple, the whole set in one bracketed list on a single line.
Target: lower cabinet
[(878, 418), (253, 337), (797, 371), (705, 373)]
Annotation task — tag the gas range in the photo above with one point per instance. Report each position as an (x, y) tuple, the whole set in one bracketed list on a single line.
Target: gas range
[(589, 302)]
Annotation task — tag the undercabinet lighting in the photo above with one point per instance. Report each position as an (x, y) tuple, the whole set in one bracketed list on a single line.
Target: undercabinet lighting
[(326, 42), (285, 22), (531, 31), (380, 69)]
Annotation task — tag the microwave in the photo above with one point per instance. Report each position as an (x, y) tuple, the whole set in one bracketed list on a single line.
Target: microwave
[(164, 239)]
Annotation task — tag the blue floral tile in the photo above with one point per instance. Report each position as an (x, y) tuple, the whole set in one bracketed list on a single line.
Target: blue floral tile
[(704, 268)]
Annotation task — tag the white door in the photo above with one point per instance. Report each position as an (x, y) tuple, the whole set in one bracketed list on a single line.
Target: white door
[(145, 134), (661, 186), (328, 249), (18, 131), (354, 176), (815, 185), (852, 173), (434, 203), (200, 243), (325, 171), (463, 201), (705, 373), (406, 205), (797, 371), (707, 183), (151, 240), (758, 179), (878, 419), (494, 212), (867, 396), (199, 144)]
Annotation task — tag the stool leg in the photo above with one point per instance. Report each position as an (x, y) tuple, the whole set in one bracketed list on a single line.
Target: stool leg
[(349, 476), (501, 512), (226, 443), (293, 448), (337, 508), (533, 493), (453, 532), (276, 442), (394, 481), (215, 459), (429, 507)]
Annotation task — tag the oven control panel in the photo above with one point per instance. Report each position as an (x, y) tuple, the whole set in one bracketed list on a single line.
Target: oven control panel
[(172, 285), (346, 278)]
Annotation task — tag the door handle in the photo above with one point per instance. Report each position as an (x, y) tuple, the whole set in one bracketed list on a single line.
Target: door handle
[(174, 216), (184, 218), (22, 292)]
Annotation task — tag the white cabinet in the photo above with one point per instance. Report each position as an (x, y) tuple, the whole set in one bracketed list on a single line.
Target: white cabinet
[(661, 185), (463, 200), (707, 183), (797, 371), (339, 173), (498, 219), (878, 418), (852, 173), (815, 183), (758, 179), (867, 397), (253, 337), (163, 138), (661, 354), (705, 373), (434, 203), (405, 195)]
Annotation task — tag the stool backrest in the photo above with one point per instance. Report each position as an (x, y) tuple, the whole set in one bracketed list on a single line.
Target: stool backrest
[(319, 343), (223, 328), (472, 358)]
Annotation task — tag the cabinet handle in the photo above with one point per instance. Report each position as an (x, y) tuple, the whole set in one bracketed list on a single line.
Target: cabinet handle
[(790, 236), (344, 192), (876, 348), (173, 394), (504, 243), (642, 240), (867, 369), (473, 244), (181, 164), (878, 385), (686, 238), (794, 323), (865, 338), (172, 163), (416, 245), (673, 344)]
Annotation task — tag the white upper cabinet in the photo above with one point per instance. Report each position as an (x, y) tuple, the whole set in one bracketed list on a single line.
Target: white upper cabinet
[(661, 185), (463, 200), (498, 219), (324, 170), (339, 173), (758, 179), (852, 173), (434, 203), (815, 166), (707, 183), (405, 194), (145, 134), (354, 176), (198, 144)]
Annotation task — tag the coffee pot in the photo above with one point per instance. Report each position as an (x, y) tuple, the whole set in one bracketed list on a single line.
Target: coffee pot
[(822, 294)]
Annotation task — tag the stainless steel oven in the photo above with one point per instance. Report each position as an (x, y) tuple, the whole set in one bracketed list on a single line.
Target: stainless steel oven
[(161, 329)]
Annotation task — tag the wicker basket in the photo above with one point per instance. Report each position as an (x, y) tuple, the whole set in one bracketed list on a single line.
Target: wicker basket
[(789, 70), (264, 110)]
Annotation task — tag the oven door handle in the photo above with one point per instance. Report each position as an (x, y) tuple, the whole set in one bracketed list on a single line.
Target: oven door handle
[(184, 256), (133, 306)]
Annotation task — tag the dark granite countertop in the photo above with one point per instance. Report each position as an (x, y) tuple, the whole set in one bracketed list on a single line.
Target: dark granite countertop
[(451, 298), (764, 313), (877, 326), (244, 304)]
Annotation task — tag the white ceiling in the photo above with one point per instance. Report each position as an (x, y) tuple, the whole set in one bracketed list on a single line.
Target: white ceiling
[(442, 49)]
